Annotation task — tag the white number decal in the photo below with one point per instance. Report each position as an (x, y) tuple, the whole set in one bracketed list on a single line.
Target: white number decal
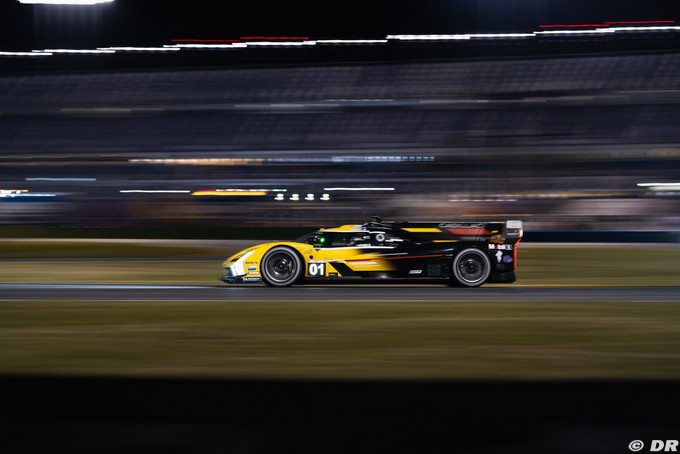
[(317, 269)]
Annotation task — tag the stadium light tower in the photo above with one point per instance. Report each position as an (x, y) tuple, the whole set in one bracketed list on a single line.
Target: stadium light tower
[(63, 2), (70, 24)]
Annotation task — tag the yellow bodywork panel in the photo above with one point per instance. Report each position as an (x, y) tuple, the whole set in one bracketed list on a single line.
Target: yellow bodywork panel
[(364, 258), (422, 229), (344, 228)]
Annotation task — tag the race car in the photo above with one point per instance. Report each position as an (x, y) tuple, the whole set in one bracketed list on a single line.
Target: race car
[(464, 254)]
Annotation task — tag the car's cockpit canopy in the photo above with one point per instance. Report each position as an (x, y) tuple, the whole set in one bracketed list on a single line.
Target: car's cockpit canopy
[(355, 238), (336, 239)]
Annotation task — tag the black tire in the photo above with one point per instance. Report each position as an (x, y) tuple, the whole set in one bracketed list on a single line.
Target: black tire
[(281, 267), (471, 268)]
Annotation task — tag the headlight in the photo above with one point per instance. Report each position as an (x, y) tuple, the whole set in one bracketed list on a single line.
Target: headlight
[(237, 266)]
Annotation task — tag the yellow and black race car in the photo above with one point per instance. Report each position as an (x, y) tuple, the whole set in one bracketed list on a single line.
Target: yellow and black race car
[(466, 254)]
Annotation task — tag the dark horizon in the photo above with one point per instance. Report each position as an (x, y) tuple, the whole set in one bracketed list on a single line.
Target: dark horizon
[(134, 23)]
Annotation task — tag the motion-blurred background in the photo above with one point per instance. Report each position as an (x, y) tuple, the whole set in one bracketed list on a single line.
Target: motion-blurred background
[(564, 116), (136, 123)]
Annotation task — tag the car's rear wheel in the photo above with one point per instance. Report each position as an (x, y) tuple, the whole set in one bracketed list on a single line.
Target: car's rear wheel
[(281, 267), (471, 268)]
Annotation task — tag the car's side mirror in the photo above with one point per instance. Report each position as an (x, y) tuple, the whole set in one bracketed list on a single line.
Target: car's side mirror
[(377, 239)]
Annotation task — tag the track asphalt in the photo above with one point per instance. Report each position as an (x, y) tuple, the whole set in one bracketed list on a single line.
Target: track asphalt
[(355, 292)]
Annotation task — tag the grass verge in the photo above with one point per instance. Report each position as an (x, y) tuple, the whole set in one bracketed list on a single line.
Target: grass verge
[(342, 340), (19, 249), (162, 264)]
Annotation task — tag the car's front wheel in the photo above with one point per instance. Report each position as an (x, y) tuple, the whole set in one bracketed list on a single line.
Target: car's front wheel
[(471, 268), (281, 267)]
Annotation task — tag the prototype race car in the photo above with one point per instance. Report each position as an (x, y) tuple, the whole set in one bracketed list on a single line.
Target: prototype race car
[(465, 254)]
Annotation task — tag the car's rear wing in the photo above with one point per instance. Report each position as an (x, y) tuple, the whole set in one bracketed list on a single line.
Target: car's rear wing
[(510, 231)]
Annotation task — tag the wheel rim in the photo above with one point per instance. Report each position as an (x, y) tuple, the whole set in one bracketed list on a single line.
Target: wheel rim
[(280, 267), (471, 268)]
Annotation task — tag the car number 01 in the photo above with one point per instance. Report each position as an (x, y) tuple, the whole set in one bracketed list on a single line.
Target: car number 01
[(317, 269)]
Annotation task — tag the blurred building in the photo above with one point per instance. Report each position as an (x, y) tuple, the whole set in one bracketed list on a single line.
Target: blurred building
[(560, 141)]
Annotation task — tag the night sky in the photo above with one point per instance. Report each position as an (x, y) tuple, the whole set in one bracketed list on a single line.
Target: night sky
[(136, 22)]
